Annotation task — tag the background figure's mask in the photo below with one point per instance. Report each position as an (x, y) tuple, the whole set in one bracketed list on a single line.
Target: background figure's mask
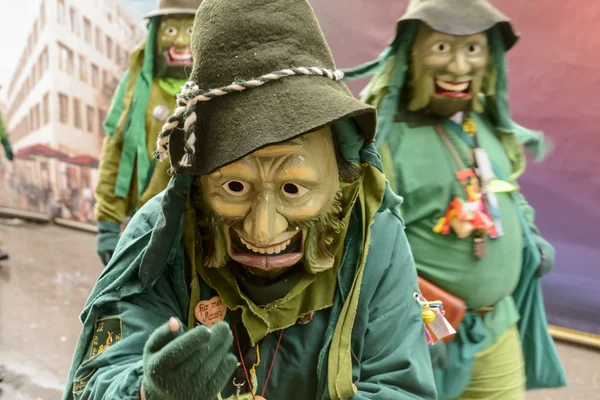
[(173, 53), (447, 72), (275, 207)]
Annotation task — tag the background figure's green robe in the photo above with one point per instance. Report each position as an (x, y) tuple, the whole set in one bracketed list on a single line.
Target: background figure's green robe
[(375, 324)]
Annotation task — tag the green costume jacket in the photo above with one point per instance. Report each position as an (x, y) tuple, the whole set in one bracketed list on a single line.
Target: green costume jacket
[(128, 177), (370, 344)]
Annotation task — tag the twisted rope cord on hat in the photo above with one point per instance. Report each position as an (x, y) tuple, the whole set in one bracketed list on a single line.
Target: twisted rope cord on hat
[(185, 114)]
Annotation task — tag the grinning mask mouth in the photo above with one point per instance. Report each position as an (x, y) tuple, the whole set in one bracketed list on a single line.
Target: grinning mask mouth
[(284, 251), (176, 57), (453, 90)]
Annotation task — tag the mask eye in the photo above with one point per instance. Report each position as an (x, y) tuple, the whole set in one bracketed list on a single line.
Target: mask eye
[(293, 191), (474, 48), (189, 31), (236, 188), (441, 47), (171, 31)]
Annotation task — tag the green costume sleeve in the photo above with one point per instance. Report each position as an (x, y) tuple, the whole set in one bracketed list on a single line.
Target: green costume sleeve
[(548, 252), (394, 363), (131, 310), (108, 206)]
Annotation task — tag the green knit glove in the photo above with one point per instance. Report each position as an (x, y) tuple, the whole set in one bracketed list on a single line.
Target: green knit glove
[(107, 239), (196, 364), (7, 148)]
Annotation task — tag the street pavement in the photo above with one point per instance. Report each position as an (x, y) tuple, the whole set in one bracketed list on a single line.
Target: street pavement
[(46, 281)]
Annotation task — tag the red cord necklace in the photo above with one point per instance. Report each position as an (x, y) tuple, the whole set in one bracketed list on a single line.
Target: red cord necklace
[(237, 341)]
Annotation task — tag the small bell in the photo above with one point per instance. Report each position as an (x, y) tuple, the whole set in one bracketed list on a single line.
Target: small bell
[(428, 315), (469, 126)]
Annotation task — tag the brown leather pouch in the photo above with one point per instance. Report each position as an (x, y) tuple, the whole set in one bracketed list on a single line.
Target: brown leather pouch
[(454, 307)]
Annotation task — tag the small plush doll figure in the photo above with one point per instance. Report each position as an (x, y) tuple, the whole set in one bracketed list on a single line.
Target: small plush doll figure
[(451, 149), (158, 68), (275, 265)]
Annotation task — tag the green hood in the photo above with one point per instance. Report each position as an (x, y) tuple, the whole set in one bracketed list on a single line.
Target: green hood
[(389, 71)]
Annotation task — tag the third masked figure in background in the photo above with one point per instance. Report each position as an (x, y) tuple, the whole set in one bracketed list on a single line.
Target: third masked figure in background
[(451, 149), (143, 101)]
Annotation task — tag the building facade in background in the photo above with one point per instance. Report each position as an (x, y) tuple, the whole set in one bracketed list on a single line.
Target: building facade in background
[(57, 100)]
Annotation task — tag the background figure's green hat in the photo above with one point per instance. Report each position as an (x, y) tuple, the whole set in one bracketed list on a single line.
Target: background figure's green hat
[(275, 44), (170, 7), (459, 17)]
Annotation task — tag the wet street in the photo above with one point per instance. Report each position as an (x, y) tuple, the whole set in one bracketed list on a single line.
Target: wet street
[(46, 282)]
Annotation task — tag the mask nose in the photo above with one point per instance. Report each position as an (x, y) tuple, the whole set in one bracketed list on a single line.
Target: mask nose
[(460, 64), (264, 222)]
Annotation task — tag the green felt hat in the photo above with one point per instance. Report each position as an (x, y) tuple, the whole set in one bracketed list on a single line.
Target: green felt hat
[(459, 17), (170, 7), (263, 74)]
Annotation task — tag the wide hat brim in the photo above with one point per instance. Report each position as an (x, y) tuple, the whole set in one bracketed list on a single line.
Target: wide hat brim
[(460, 17), (170, 11), (230, 127)]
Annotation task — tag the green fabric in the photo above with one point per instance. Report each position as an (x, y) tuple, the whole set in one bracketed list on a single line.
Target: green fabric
[(171, 85), (117, 106), (110, 207), (192, 364), (428, 188), (107, 238), (498, 372), (134, 129), (227, 37), (4, 140)]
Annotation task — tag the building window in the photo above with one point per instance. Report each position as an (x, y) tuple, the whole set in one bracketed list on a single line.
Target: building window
[(77, 114), (95, 76), (46, 109), (87, 31), (83, 69), (74, 21), (99, 40), (33, 125), (61, 12), (45, 61), (109, 48), (34, 33), (118, 55), (43, 14), (65, 59), (101, 118), (63, 108), (37, 116), (90, 114)]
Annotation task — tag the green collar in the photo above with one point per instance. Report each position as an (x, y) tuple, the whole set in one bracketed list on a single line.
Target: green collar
[(171, 85)]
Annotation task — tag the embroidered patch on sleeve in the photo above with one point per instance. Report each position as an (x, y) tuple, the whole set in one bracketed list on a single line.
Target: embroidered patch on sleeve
[(80, 384), (107, 332)]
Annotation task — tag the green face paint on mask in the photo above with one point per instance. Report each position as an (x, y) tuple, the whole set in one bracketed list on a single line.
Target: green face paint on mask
[(447, 72), (173, 55)]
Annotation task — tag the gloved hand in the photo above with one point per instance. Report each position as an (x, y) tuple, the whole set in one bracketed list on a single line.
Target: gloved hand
[(107, 239), (7, 148), (196, 364)]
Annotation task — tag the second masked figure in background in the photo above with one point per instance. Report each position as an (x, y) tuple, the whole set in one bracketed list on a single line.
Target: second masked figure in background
[(128, 177), (452, 151)]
